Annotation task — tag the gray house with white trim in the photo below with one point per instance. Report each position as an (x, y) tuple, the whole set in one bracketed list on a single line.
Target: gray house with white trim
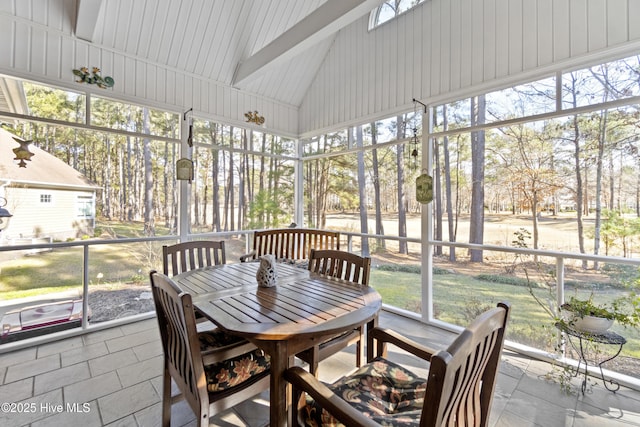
[(47, 198)]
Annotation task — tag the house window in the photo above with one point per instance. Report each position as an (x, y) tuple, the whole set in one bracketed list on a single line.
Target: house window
[(45, 198), (85, 207)]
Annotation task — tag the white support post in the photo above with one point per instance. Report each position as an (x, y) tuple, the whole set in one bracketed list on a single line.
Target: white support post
[(298, 187), (427, 223), (184, 196)]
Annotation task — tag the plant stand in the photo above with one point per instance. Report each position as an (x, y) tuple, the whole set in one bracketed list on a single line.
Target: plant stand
[(607, 338)]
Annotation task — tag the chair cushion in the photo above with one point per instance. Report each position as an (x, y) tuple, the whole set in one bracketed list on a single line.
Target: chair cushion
[(211, 340), (382, 390), (232, 372)]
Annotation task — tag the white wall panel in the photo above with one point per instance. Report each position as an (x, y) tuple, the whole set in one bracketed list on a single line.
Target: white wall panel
[(489, 40), (579, 34), (6, 48), (597, 24), (52, 49), (38, 44), (561, 31), (461, 46), (529, 34), (466, 53), (150, 82), (22, 51), (36, 53), (633, 8), (617, 25), (545, 31), (515, 52), (502, 38)]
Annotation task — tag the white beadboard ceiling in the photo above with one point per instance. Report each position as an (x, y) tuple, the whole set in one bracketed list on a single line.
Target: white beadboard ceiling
[(308, 66), (212, 39)]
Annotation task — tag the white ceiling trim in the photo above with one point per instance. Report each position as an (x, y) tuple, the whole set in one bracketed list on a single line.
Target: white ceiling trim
[(323, 22), (87, 18)]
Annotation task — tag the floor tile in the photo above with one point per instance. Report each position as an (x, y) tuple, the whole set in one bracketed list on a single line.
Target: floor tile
[(143, 325), (32, 368), (17, 391), (59, 346), (83, 353), (111, 362), (148, 350), (17, 357), (92, 388), (34, 409), (128, 421), (131, 340), (124, 387), (103, 335), (127, 401), (82, 415), (140, 371), (61, 377)]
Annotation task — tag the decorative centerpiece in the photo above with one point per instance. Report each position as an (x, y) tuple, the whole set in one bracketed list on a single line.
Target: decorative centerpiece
[(267, 274)]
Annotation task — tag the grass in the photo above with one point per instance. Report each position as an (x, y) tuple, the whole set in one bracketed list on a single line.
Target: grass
[(459, 298), (62, 269)]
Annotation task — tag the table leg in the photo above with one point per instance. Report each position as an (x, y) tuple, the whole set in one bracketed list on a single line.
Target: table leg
[(279, 394), (612, 382), (371, 353), (583, 358)]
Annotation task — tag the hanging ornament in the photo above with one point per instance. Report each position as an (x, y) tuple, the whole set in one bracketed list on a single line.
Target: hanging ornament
[(22, 153), (424, 187)]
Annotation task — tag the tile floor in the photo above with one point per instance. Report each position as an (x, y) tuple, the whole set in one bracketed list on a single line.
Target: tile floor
[(112, 378)]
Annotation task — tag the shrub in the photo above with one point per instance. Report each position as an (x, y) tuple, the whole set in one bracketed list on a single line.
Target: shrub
[(506, 280)]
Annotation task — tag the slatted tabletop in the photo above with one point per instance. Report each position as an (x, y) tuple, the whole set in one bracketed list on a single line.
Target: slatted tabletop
[(299, 312)]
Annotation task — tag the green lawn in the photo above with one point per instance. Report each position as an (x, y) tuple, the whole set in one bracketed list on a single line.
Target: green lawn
[(459, 298)]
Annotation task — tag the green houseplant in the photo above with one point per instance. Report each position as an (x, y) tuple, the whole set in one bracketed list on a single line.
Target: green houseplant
[(588, 316)]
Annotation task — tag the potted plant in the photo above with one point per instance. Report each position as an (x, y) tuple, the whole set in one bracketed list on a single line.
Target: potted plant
[(588, 316)]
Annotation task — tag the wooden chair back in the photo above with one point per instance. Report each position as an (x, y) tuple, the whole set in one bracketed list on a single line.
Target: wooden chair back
[(459, 388), (462, 378), (182, 358), (188, 256), (293, 243), (340, 264), (352, 268)]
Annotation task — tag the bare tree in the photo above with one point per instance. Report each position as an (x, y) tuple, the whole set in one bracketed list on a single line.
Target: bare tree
[(476, 227)]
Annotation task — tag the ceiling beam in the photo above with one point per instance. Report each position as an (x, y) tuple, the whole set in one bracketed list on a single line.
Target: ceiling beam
[(328, 19), (87, 18)]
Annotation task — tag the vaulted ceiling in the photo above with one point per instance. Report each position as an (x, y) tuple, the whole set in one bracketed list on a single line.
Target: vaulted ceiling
[(308, 66), (272, 48)]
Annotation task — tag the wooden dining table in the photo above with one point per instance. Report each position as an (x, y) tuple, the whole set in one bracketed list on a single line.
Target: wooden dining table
[(300, 311)]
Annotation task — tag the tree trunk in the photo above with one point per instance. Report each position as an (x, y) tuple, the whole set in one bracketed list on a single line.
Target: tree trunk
[(149, 220), (364, 226), (402, 213), (380, 243), (476, 227)]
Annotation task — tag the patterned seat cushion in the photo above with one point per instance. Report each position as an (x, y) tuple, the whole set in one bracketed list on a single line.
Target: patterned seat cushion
[(382, 390), (232, 372)]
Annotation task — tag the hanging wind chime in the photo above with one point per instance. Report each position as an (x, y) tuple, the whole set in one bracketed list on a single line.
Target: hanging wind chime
[(424, 182)]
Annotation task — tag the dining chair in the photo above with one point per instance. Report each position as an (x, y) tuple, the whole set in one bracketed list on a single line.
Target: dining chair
[(210, 375), (458, 391), (350, 268), (188, 256)]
